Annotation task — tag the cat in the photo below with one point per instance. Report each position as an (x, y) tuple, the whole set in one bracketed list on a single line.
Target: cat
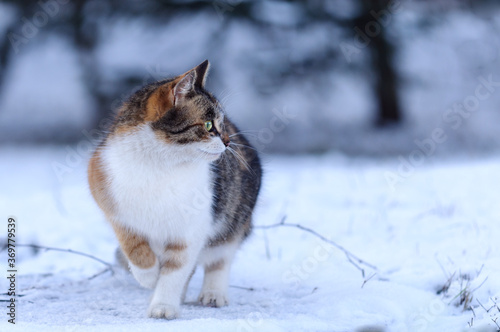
[(178, 182)]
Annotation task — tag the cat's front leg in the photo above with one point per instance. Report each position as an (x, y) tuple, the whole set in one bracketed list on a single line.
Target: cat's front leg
[(143, 263), (177, 263), (147, 277)]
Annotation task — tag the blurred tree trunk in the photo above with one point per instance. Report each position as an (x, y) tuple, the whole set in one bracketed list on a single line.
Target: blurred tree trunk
[(86, 39), (12, 37), (4, 57), (382, 61)]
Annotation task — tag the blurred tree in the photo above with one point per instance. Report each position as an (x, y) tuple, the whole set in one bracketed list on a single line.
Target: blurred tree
[(78, 21), (382, 57)]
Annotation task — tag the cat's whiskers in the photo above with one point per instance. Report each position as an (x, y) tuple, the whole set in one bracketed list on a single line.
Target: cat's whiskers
[(225, 96), (225, 160), (228, 163), (240, 159), (246, 132), (243, 146), (241, 134), (222, 157)]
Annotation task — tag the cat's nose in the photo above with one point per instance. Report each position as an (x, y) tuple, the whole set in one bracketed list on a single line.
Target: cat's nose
[(225, 140)]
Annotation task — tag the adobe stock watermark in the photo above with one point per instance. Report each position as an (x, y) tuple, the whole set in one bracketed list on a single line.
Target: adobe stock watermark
[(200, 202), (425, 317), (454, 117), (302, 271), (31, 26), (76, 155), (372, 29), (255, 320), (278, 122)]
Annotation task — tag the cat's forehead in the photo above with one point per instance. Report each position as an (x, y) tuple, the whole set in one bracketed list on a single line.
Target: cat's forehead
[(209, 105)]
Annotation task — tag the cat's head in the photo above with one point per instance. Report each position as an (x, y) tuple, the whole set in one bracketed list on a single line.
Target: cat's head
[(183, 115)]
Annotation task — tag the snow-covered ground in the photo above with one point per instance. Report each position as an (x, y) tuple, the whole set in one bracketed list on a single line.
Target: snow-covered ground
[(435, 231)]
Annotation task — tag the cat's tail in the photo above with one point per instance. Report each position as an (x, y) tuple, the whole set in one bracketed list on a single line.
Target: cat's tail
[(121, 259)]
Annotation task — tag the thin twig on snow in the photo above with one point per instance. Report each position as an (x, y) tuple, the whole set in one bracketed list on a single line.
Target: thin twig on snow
[(353, 259)]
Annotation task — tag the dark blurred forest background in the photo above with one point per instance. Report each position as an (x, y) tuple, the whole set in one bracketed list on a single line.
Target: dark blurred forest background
[(361, 77)]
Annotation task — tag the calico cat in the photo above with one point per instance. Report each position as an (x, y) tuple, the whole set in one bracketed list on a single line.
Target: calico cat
[(178, 183)]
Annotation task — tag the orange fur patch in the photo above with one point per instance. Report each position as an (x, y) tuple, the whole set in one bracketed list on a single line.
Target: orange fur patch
[(174, 246), (175, 259), (98, 184), (162, 99), (135, 247), (159, 102), (171, 264), (215, 266)]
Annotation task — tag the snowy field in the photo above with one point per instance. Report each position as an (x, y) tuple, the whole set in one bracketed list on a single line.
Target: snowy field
[(433, 238)]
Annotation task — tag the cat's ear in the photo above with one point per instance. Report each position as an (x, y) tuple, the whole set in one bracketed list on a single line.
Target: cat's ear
[(196, 77), (201, 73), (169, 95), (184, 86)]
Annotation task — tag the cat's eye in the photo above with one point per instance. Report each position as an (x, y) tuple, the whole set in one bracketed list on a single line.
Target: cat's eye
[(208, 125)]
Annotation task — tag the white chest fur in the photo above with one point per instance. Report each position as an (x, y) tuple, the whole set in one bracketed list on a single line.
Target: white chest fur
[(156, 192)]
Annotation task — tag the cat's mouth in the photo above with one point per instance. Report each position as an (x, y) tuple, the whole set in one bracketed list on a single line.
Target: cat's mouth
[(211, 153)]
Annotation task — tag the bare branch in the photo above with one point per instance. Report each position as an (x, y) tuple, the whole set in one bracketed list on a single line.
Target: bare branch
[(495, 303), (353, 259), (366, 280), (102, 272), (35, 246), (495, 321), (471, 323), (251, 289), (482, 306), (482, 283)]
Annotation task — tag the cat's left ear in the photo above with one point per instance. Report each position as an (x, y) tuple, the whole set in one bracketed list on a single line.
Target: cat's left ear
[(196, 77), (201, 73)]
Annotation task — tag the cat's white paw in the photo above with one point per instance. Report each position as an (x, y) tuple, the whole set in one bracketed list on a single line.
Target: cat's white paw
[(162, 310), (146, 277), (213, 298)]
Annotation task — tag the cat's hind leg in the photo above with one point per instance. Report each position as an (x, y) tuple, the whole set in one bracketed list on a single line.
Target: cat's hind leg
[(184, 291), (216, 261)]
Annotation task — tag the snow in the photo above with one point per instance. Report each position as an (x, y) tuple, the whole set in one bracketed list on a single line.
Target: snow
[(437, 225)]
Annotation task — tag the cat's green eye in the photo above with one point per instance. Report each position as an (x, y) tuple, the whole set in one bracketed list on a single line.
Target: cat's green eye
[(208, 125)]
